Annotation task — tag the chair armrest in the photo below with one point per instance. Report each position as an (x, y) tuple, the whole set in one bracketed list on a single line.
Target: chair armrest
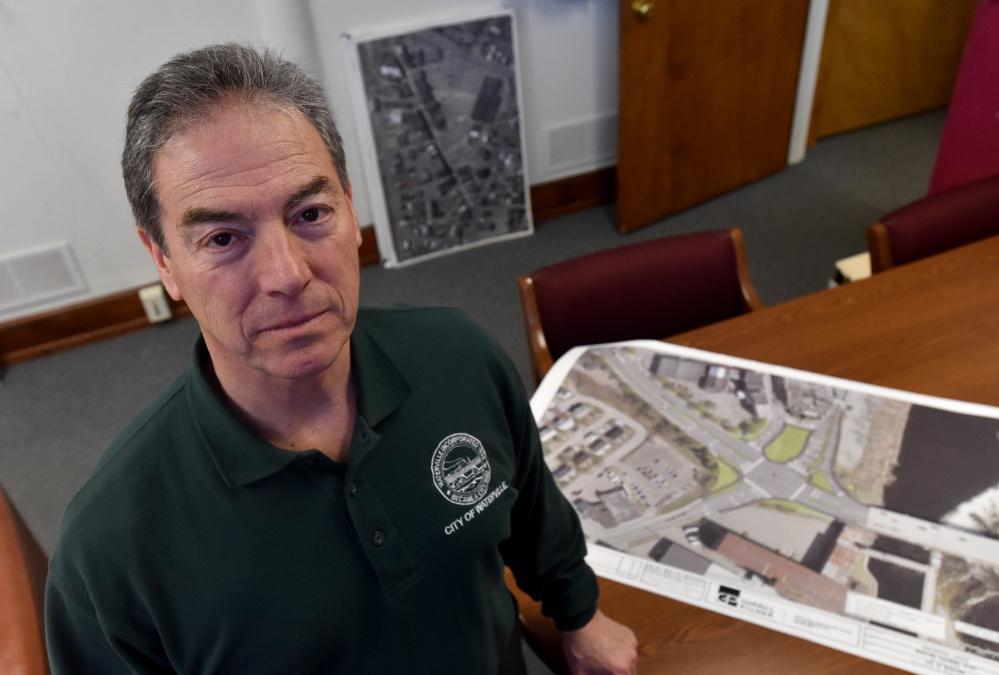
[(879, 247), (750, 299), (541, 356), (23, 569)]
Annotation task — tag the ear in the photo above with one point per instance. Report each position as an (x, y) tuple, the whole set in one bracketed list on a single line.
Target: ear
[(162, 262)]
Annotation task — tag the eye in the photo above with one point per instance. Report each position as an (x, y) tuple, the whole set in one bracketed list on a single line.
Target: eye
[(311, 215), (222, 239)]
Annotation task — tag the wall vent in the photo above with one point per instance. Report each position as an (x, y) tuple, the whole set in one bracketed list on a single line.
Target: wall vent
[(39, 275), (590, 141)]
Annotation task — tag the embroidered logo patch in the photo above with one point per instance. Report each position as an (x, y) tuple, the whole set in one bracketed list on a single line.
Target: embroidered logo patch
[(461, 469)]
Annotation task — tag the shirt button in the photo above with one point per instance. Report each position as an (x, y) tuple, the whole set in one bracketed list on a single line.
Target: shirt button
[(378, 538), (352, 490)]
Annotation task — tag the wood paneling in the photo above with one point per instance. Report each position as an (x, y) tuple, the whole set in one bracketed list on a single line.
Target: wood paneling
[(887, 59), (707, 95)]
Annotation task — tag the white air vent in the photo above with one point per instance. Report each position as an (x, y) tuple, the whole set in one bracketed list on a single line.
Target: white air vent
[(38, 275), (587, 141)]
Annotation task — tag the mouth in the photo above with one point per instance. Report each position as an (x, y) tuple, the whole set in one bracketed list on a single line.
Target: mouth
[(291, 323)]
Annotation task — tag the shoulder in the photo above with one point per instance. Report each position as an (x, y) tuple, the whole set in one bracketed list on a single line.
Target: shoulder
[(124, 484), (438, 344), (441, 330), (148, 424), (424, 319)]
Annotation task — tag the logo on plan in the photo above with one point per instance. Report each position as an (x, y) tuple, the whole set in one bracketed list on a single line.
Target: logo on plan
[(461, 469)]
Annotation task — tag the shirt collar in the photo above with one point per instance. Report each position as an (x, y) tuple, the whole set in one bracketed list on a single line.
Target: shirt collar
[(239, 454), (381, 385), (243, 457)]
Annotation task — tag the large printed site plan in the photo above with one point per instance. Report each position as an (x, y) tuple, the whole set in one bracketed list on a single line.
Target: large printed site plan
[(768, 493)]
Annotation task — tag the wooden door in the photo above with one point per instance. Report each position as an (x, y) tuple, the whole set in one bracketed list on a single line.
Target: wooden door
[(887, 59), (707, 93)]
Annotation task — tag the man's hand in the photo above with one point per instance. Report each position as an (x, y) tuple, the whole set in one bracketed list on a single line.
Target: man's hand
[(601, 647)]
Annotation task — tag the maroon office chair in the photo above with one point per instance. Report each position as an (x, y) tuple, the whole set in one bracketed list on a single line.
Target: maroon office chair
[(23, 568), (936, 223), (652, 289)]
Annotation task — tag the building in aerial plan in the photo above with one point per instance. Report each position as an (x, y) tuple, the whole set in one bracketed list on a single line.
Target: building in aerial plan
[(788, 577)]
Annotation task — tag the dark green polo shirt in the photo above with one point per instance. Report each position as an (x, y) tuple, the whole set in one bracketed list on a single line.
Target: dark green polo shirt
[(197, 547)]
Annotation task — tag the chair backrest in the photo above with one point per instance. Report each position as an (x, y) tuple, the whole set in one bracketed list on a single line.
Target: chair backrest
[(969, 144), (935, 223), (650, 289), (23, 568)]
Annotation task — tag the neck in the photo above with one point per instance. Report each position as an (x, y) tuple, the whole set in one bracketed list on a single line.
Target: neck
[(314, 412)]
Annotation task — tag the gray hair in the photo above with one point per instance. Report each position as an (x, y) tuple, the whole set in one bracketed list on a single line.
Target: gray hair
[(186, 90)]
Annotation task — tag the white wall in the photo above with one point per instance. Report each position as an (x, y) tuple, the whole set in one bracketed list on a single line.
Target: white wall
[(68, 67)]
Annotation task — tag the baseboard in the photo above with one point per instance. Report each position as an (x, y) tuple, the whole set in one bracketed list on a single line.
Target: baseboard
[(368, 253), (575, 193), (68, 327), (100, 318)]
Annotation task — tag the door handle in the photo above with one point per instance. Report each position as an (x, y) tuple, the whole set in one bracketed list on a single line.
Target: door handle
[(643, 9)]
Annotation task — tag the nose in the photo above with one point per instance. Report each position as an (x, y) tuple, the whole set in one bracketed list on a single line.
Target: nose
[(280, 261)]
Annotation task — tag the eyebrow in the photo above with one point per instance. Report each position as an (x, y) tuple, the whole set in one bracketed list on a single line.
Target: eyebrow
[(317, 185), (201, 215)]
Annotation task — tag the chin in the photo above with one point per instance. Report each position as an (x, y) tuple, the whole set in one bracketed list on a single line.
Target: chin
[(302, 365), (298, 369)]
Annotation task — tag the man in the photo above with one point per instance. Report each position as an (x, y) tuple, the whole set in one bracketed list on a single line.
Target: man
[(325, 489)]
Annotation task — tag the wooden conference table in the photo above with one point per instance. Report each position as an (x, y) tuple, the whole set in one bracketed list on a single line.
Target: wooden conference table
[(930, 327)]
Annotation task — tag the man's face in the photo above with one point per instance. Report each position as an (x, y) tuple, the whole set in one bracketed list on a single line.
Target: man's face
[(262, 240)]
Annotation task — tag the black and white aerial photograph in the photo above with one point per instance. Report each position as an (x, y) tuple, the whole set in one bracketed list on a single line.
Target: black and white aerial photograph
[(445, 134)]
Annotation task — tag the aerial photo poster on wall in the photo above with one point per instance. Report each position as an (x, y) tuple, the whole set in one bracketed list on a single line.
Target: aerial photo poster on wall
[(858, 517), (437, 109)]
